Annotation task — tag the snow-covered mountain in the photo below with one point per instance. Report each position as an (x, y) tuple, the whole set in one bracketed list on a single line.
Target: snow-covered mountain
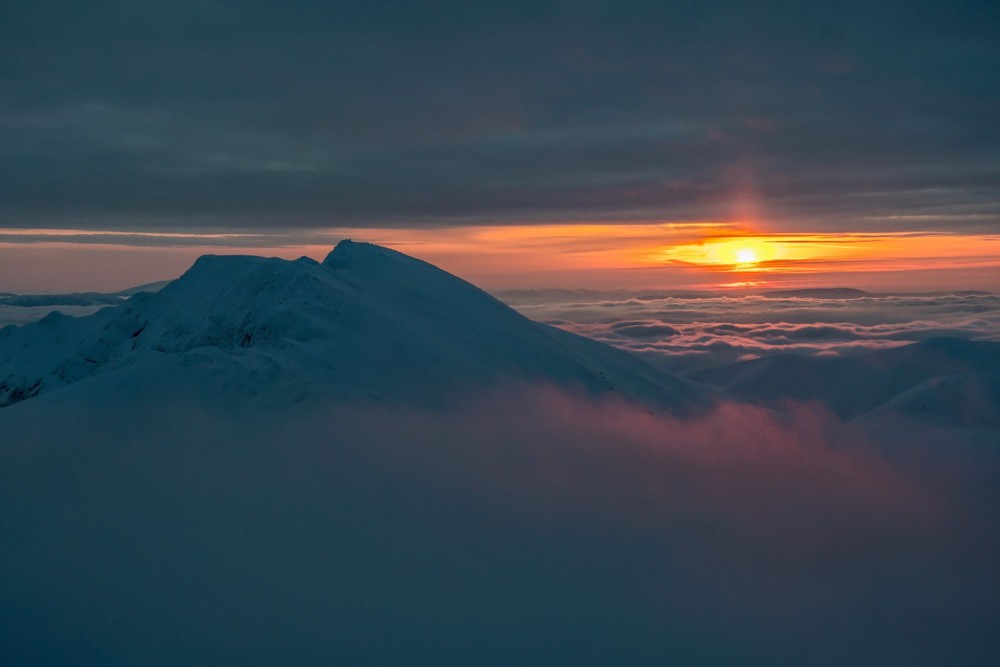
[(947, 380), (368, 322), (971, 400)]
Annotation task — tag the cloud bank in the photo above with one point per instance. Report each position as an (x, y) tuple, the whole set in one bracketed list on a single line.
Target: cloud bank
[(524, 526), (141, 115), (684, 331)]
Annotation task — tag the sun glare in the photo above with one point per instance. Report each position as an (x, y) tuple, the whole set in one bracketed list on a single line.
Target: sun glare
[(739, 254), (746, 256)]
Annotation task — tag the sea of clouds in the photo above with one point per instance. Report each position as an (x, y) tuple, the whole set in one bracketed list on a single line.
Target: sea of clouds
[(696, 330)]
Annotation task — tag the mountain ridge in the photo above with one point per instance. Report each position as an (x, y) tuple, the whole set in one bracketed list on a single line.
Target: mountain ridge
[(854, 386), (366, 322)]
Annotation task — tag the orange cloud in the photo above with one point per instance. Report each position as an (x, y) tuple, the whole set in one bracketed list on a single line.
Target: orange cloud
[(640, 255)]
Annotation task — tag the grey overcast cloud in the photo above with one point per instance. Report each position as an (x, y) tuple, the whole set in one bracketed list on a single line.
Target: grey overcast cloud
[(202, 115)]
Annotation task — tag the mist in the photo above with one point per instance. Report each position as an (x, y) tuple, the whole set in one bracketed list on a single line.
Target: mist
[(521, 525)]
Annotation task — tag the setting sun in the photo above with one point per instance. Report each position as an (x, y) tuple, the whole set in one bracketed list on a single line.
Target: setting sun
[(746, 256), (741, 253)]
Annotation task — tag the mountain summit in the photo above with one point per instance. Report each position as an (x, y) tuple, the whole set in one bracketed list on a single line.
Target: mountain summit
[(366, 323)]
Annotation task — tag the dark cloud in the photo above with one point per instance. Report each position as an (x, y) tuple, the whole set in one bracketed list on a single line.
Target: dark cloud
[(223, 114)]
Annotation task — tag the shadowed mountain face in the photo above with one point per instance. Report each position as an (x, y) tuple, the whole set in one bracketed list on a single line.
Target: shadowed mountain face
[(368, 322), (905, 378)]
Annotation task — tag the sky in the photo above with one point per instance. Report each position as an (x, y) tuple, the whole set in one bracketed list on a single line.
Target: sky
[(720, 145)]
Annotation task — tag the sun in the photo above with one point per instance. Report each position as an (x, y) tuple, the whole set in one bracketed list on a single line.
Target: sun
[(746, 256), (741, 253)]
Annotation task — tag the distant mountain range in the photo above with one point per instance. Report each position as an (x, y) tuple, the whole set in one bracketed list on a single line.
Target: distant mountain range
[(840, 293), (818, 293), (77, 298), (949, 380)]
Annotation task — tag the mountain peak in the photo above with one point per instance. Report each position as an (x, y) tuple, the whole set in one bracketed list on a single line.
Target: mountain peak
[(353, 253), (350, 248), (367, 322)]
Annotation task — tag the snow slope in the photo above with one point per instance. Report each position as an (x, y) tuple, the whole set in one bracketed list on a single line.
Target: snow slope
[(368, 322), (943, 379), (970, 401)]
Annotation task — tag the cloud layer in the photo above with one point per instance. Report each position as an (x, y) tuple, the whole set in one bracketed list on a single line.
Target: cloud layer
[(208, 114), (688, 331), (525, 526)]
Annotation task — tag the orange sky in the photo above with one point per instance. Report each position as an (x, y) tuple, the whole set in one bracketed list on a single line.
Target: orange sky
[(654, 255)]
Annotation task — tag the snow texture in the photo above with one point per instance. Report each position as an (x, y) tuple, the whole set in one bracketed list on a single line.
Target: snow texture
[(946, 380), (367, 323)]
